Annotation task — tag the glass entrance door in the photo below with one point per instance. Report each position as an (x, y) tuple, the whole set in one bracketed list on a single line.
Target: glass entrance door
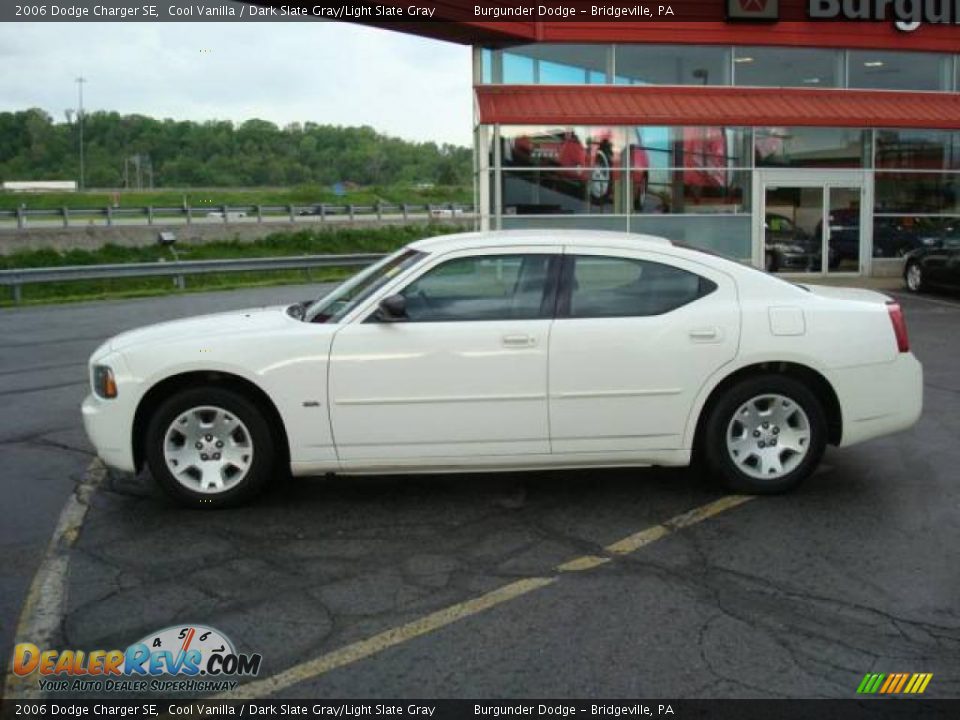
[(843, 223), (791, 221), (811, 227)]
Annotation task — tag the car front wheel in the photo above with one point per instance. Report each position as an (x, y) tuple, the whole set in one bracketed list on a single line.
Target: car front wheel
[(765, 435), (209, 447)]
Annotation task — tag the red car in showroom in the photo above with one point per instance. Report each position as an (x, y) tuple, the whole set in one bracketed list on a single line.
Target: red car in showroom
[(576, 169)]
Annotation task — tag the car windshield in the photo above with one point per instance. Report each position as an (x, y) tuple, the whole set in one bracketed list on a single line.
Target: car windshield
[(333, 306)]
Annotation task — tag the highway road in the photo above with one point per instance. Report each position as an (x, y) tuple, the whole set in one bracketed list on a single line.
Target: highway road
[(796, 596), (203, 218)]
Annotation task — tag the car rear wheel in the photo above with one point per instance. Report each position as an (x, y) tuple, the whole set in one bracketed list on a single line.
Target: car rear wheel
[(914, 277), (765, 435), (209, 447)]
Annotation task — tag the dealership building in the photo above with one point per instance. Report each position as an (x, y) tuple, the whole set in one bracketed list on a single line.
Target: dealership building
[(804, 146)]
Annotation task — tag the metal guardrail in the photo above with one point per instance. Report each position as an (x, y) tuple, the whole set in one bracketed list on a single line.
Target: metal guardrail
[(151, 215), (16, 279)]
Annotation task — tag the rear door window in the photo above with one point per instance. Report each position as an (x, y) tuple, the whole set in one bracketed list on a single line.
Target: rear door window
[(599, 287)]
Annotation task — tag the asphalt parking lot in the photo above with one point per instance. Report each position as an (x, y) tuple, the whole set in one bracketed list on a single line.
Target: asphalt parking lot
[(796, 596)]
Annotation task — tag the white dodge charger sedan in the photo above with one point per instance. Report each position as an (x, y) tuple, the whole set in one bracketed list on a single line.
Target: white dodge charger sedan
[(511, 351)]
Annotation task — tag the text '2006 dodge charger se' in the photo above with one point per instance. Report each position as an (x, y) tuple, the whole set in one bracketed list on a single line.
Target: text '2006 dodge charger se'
[(511, 351)]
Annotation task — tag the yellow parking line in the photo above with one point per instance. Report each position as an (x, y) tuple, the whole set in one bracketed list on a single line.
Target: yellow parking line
[(42, 612), (451, 614), (387, 639), (634, 542), (587, 562), (707, 511)]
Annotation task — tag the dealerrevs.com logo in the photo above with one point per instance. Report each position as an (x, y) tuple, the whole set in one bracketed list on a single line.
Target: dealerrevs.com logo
[(180, 658), (907, 15)]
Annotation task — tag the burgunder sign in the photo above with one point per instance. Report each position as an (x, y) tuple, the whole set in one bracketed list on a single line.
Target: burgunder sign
[(204, 659), (907, 15)]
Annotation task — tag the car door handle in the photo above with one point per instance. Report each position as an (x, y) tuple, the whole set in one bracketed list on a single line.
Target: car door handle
[(518, 341), (705, 334)]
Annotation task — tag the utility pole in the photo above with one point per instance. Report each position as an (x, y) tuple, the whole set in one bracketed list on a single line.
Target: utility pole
[(80, 81)]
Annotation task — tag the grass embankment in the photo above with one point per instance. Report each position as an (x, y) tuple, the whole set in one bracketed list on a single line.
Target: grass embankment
[(305, 195), (303, 242)]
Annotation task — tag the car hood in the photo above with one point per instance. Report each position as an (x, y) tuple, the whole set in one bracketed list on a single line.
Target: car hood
[(252, 320)]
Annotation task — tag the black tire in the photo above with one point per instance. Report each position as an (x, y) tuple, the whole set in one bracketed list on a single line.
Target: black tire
[(721, 415), (261, 467), (917, 283)]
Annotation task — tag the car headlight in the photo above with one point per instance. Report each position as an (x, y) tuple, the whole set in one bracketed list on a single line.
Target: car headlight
[(104, 383)]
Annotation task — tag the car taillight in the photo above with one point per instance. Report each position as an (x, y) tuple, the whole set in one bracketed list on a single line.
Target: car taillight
[(899, 326)]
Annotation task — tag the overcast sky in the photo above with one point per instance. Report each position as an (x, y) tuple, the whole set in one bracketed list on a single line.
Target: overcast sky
[(328, 73)]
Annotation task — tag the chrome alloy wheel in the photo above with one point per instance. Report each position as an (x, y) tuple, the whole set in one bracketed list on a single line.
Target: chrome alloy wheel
[(208, 449), (914, 277), (768, 436), (600, 177)]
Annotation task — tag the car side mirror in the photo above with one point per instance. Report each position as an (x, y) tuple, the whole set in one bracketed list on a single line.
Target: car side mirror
[(392, 309)]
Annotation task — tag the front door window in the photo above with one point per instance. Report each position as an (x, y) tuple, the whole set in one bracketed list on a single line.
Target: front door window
[(484, 287)]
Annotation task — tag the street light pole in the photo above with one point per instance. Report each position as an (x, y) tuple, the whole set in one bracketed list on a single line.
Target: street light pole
[(80, 81)]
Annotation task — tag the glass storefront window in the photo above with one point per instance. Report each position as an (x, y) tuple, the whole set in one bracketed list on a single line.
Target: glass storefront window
[(616, 223), (727, 235), (689, 169), (884, 70), (530, 146), (514, 69), (551, 64), (577, 170), (916, 192), (756, 66), (682, 191), (694, 184), (672, 65), (589, 190), (787, 67), (918, 150), (810, 147), (895, 236)]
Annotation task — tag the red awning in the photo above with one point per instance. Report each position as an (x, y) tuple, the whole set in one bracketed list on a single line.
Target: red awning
[(695, 105)]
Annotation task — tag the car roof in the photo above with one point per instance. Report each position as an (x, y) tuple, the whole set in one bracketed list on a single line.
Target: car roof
[(583, 238)]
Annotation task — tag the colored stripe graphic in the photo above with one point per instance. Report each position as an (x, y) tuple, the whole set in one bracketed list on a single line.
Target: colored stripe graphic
[(892, 680), (894, 683)]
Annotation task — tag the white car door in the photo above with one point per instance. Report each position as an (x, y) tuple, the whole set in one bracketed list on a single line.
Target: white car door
[(636, 336), (463, 379)]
